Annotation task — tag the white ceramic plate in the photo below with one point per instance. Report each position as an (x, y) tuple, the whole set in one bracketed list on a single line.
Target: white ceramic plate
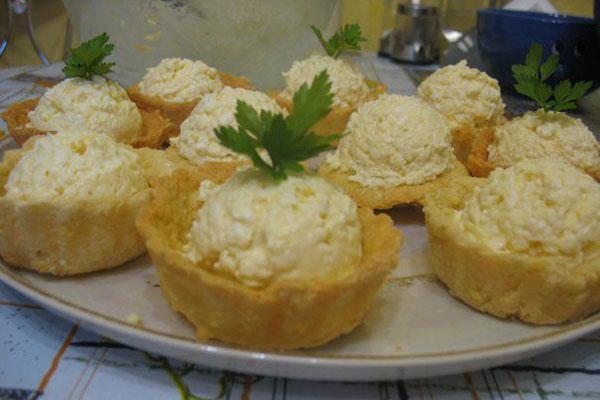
[(414, 330)]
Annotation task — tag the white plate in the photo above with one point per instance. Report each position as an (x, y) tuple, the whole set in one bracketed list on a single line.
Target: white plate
[(414, 330)]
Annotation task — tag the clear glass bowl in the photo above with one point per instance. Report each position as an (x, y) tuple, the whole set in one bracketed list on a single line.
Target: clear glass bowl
[(255, 38)]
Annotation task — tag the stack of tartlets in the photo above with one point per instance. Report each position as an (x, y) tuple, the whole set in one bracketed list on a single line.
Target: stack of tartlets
[(146, 115), (525, 243), (176, 85), (255, 251)]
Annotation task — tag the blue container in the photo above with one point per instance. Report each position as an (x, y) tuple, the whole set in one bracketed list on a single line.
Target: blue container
[(505, 37)]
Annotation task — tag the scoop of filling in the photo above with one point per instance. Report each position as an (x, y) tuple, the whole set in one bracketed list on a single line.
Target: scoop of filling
[(179, 80), (394, 140), (259, 231), (97, 106), (538, 207), (76, 166), (542, 134), (465, 96), (347, 84)]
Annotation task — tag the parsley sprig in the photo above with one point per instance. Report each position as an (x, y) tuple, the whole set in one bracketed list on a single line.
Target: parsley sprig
[(86, 60), (287, 140), (347, 38), (531, 81)]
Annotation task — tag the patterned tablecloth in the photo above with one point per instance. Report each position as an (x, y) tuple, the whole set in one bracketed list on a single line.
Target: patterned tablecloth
[(43, 356)]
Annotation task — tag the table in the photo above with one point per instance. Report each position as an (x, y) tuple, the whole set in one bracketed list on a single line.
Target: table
[(45, 357)]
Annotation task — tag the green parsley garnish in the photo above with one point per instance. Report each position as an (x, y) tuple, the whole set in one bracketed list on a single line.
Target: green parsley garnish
[(531, 81), (287, 140), (347, 38), (86, 60)]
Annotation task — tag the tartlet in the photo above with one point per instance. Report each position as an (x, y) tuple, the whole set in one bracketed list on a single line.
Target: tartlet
[(350, 90), (197, 142), (524, 243), (283, 314), (53, 220), (386, 198), (538, 134), (469, 99), (151, 129), (172, 71), (396, 149)]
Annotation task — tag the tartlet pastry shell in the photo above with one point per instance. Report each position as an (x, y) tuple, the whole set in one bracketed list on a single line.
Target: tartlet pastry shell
[(462, 141), (384, 198), (155, 128), (69, 237), (17, 121), (335, 122), (464, 137), (178, 112), (216, 171), (283, 315), (478, 163), (538, 290)]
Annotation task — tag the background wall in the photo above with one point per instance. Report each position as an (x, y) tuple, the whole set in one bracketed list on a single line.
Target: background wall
[(375, 16), (50, 21)]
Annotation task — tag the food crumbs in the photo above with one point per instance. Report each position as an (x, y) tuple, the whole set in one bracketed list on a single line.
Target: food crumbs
[(134, 319)]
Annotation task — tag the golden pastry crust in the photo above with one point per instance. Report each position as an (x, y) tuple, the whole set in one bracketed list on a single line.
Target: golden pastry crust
[(155, 128), (160, 163), (284, 315), (464, 138), (538, 290), (335, 122), (462, 142), (178, 112), (216, 171), (67, 237), (478, 163), (16, 119), (385, 198)]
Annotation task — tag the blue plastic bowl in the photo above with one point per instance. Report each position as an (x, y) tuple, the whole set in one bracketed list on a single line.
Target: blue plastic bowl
[(505, 37)]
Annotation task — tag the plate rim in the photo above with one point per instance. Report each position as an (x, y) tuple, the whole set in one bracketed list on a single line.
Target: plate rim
[(92, 318)]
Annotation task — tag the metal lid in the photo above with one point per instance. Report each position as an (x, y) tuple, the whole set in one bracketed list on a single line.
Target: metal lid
[(417, 10)]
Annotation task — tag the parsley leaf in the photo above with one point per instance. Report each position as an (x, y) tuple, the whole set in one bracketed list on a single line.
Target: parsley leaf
[(287, 140), (86, 60), (549, 67), (534, 57), (311, 104), (347, 38), (531, 82)]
